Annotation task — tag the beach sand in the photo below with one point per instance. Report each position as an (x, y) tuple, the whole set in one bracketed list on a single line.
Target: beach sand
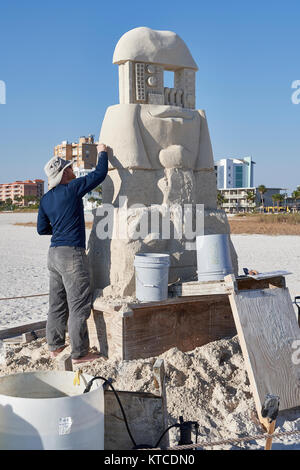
[(208, 384)]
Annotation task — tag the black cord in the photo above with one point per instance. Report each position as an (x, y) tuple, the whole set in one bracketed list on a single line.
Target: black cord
[(176, 425), (106, 381)]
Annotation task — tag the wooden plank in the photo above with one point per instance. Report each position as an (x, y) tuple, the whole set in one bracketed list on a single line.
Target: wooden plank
[(177, 301), (220, 287), (64, 361), (13, 340), (268, 330), (198, 288), (159, 375), (160, 383), (19, 330), (101, 306)]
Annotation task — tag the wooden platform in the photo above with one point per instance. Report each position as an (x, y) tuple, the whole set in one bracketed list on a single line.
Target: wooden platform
[(185, 321)]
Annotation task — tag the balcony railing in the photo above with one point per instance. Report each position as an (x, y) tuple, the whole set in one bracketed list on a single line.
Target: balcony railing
[(239, 204)]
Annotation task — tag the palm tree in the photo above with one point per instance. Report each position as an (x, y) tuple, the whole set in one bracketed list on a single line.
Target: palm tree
[(221, 199), (8, 204), (262, 189), (29, 198), (281, 198), (296, 196), (250, 196), (18, 198), (277, 198), (99, 190), (94, 200), (296, 193)]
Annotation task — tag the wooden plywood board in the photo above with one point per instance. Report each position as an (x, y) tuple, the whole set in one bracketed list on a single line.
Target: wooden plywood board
[(268, 332)]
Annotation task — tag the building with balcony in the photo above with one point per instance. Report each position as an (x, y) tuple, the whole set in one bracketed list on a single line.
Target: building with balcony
[(236, 200), (19, 192), (84, 152)]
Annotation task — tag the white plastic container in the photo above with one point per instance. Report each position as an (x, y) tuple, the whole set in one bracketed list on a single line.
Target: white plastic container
[(151, 276), (213, 257), (45, 410)]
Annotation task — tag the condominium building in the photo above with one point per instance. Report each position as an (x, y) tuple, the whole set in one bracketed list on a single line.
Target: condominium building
[(245, 199), (18, 191), (235, 173), (84, 152)]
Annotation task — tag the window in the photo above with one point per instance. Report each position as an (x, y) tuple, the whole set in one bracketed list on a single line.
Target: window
[(168, 79), (239, 176)]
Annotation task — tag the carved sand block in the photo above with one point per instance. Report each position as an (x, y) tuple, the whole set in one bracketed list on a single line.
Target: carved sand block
[(161, 155)]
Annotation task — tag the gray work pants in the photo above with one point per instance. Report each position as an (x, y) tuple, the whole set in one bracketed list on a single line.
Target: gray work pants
[(70, 299)]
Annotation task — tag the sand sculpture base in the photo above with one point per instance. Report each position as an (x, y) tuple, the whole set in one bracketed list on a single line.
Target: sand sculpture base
[(140, 330)]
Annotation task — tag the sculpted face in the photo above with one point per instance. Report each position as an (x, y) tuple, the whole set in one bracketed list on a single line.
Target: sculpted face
[(171, 135)]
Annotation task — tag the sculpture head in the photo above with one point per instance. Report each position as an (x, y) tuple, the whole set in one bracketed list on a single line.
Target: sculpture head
[(143, 55)]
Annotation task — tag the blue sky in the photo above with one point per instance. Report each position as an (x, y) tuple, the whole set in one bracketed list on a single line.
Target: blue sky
[(56, 61)]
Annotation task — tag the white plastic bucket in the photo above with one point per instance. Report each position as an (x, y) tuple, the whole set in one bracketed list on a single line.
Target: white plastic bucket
[(151, 276), (213, 257), (45, 410)]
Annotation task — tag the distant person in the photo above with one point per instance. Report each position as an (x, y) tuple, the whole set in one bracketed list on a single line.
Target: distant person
[(61, 215)]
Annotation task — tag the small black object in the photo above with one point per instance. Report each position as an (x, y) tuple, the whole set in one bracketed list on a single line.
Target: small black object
[(34, 335), (246, 271), (185, 428), (270, 407), (297, 302)]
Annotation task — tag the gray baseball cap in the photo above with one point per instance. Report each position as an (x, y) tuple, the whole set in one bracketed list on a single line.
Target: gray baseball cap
[(54, 170)]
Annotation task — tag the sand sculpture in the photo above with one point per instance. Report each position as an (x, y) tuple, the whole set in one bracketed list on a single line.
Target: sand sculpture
[(161, 156)]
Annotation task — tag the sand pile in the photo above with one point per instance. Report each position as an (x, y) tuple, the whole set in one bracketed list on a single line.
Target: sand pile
[(208, 385)]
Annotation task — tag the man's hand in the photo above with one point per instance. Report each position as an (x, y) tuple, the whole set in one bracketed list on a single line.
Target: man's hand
[(101, 148)]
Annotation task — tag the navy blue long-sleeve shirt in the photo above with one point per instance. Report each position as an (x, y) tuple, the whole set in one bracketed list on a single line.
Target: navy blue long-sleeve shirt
[(61, 209)]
